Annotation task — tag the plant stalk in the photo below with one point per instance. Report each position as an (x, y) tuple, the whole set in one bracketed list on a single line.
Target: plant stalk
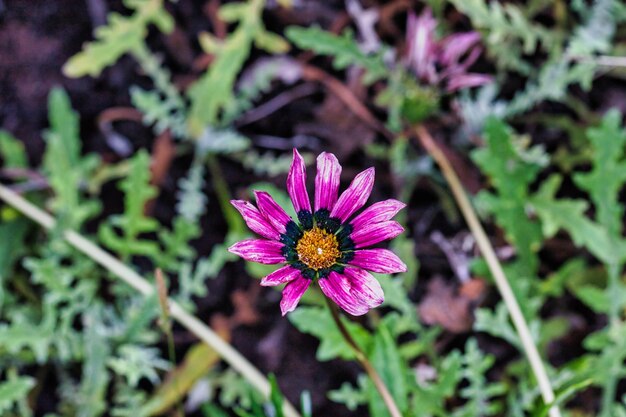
[(365, 363), (530, 349), (230, 355)]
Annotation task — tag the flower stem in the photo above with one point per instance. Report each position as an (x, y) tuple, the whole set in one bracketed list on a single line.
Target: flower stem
[(497, 272), (230, 355), (365, 363)]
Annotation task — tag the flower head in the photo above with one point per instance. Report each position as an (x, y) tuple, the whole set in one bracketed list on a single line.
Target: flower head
[(326, 243), (444, 60)]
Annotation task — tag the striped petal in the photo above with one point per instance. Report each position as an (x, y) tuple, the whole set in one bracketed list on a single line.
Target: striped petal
[(292, 293), (255, 220), (460, 81), (377, 212), (327, 181), (281, 276), (374, 233), (355, 196), (356, 291), (296, 184), (259, 250), (274, 213), (454, 47), (382, 261)]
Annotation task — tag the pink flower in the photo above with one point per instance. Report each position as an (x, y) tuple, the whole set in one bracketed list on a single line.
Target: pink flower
[(327, 244), (442, 60)]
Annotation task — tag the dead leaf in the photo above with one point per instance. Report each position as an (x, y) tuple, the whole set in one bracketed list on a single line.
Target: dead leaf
[(245, 306), (446, 307)]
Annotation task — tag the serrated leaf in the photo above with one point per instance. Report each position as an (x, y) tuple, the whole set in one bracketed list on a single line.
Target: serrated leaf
[(12, 151), (479, 393), (162, 112), (12, 235), (214, 91), (349, 395), (222, 141), (135, 362), (63, 163), (14, 390), (608, 175), (569, 214), (318, 322), (95, 378), (343, 49), (511, 169), (133, 222), (509, 34), (385, 357), (121, 35)]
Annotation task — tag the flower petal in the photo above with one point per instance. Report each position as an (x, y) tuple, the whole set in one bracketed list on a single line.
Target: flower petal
[(296, 184), (281, 276), (259, 250), (454, 47), (460, 81), (377, 212), (327, 181), (365, 287), (356, 291), (355, 196), (373, 233), (255, 220), (292, 293), (337, 287), (421, 45), (383, 261), (272, 211)]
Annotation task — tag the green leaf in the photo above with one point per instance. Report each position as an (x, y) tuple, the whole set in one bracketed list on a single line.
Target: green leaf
[(497, 323), (63, 163), (135, 362), (479, 392), (349, 395), (343, 49), (14, 390), (385, 357), (162, 112), (214, 91), (318, 322), (511, 167), (12, 235), (563, 395), (276, 397), (121, 35), (608, 175), (95, 378), (133, 222), (509, 34), (12, 151), (569, 214), (430, 397)]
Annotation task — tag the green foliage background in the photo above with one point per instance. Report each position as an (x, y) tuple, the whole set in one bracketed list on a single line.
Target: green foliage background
[(61, 313)]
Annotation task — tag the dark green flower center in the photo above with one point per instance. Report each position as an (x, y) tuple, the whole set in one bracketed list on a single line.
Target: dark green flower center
[(317, 244)]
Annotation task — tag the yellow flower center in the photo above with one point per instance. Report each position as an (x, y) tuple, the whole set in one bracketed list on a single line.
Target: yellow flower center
[(318, 249)]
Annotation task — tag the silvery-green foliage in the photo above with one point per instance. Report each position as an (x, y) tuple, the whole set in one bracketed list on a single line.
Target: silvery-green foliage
[(192, 200), (13, 389), (508, 34), (135, 362)]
